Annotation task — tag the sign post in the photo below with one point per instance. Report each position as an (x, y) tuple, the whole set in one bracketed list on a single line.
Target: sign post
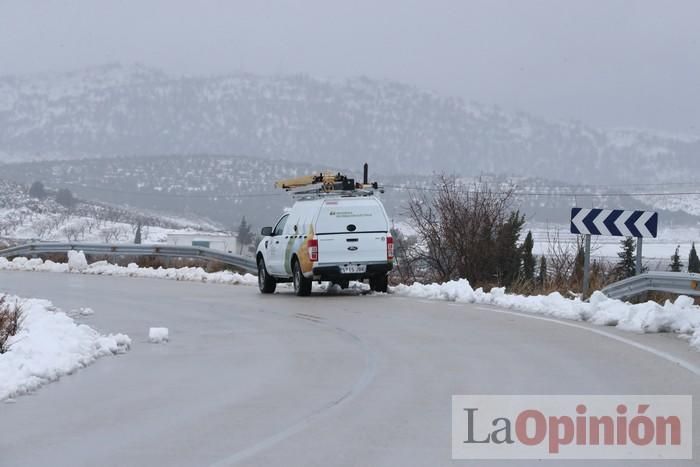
[(638, 263), (587, 265), (615, 223)]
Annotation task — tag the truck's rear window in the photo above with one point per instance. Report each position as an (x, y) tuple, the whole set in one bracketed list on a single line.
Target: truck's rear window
[(340, 216)]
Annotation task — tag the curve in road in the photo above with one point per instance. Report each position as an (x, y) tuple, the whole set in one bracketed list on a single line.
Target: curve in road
[(325, 380)]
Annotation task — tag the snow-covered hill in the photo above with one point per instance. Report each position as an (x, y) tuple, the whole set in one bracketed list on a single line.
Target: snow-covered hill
[(23, 217), (117, 110)]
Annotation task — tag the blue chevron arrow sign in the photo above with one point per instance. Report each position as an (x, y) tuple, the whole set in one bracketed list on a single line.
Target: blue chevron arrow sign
[(614, 222)]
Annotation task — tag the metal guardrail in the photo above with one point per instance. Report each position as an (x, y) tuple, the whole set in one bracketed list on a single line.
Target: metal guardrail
[(671, 282), (127, 249)]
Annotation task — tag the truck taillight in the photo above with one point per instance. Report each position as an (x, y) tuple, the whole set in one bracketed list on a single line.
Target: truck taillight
[(313, 249), (389, 247)]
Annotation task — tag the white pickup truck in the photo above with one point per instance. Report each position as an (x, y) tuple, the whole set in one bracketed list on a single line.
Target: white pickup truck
[(333, 238)]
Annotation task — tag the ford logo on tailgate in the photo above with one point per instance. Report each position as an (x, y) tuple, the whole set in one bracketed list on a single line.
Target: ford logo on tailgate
[(352, 248)]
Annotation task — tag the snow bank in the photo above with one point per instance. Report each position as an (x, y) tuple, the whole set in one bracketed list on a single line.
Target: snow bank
[(681, 317), (49, 345), (77, 261), (158, 335), (78, 264)]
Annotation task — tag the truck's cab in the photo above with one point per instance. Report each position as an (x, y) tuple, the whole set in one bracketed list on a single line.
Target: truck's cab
[(334, 238)]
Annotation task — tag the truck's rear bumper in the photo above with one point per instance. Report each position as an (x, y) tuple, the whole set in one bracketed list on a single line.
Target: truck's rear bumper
[(332, 272)]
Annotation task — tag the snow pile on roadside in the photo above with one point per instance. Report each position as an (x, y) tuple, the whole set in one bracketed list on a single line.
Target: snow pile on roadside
[(78, 264), (49, 345), (681, 317), (77, 261)]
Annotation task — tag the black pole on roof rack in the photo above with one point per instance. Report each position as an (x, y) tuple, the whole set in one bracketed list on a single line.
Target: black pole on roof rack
[(365, 177)]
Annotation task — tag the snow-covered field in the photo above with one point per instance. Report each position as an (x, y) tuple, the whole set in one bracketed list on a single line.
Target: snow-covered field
[(657, 251), (52, 227), (50, 344), (24, 218)]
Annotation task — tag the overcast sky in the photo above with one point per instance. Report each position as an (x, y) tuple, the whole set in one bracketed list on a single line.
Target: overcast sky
[(608, 63)]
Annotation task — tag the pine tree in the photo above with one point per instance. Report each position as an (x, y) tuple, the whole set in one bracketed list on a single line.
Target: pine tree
[(528, 260), (37, 190), (542, 275), (245, 236), (693, 260), (626, 266), (676, 264)]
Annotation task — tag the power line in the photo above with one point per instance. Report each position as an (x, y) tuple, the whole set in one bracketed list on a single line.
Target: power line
[(551, 194), (395, 187), (177, 195)]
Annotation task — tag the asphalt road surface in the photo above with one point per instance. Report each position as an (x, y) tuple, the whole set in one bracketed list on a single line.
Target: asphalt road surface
[(331, 379)]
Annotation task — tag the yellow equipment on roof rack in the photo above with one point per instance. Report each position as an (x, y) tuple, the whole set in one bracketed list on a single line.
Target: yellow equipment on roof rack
[(327, 183), (326, 178)]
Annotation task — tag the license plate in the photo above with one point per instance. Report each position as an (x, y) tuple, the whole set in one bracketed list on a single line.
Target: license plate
[(353, 268)]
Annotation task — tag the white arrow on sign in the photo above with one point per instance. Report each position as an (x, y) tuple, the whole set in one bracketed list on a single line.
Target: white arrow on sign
[(620, 223), (578, 220), (600, 218), (641, 224)]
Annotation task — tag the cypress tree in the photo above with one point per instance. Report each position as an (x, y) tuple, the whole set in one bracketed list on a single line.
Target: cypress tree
[(693, 261), (528, 260), (245, 236), (676, 264), (137, 237), (542, 275)]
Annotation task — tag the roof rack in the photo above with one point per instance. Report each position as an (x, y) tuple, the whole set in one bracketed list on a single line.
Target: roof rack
[(327, 184)]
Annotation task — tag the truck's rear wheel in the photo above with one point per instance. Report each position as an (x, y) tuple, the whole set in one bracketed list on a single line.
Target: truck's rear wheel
[(302, 285), (266, 283), (379, 283)]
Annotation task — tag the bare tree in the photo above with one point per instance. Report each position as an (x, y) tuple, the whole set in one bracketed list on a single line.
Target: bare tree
[(466, 231)]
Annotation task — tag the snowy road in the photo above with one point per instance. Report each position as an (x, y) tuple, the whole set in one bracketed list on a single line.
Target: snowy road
[(326, 380)]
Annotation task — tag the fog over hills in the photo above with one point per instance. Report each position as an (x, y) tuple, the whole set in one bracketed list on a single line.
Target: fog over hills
[(131, 110)]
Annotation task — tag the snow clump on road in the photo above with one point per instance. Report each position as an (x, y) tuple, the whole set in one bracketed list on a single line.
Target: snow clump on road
[(158, 335)]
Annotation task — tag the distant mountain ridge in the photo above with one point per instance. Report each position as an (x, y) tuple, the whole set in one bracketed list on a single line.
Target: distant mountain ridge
[(118, 110)]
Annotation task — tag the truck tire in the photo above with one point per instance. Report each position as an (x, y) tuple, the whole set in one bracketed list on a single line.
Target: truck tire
[(379, 283), (302, 285), (266, 283)]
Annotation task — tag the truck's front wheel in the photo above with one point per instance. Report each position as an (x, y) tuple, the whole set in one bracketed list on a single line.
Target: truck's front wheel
[(302, 285)]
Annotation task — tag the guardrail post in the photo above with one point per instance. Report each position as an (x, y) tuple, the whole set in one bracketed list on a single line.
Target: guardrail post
[(638, 265), (586, 266)]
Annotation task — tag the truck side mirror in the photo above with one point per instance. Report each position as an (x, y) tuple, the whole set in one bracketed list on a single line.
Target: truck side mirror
[(266, 231)]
